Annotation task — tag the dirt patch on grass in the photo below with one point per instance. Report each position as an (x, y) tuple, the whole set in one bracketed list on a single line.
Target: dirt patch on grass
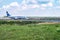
[(50, 23)]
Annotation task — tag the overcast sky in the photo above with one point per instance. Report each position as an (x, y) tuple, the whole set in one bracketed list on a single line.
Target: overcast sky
[(44, 8)]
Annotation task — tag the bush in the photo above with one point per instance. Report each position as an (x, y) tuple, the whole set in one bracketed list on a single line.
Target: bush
[(18, 22)]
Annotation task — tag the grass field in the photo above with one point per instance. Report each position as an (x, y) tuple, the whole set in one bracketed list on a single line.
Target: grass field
[(30, 32)]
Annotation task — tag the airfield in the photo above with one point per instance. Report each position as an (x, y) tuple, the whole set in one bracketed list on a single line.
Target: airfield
[(30, 31), (8, 17), (40, 19), (34, 28)]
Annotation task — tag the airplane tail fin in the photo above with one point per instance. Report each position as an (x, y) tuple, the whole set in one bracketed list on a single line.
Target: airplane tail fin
[(7, 14)]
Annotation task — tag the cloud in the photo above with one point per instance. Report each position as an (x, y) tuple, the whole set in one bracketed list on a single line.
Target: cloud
[(58, 7), (35, 6), (50, 4), (29, 1), (12, 8), (14, 4), (25, 5)]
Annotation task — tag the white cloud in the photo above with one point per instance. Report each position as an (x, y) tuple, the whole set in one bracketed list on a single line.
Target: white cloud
[(15, 7), (24, 5), (33, 1), (50, 4), (12, 7), (5, 6), (57, 6), (35, 6), (14, 4), (27, 1), (44, 5)]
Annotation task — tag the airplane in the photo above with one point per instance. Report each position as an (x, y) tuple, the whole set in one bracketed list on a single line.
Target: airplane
[(15, 17)]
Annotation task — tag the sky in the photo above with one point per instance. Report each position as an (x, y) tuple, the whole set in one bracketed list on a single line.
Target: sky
[(42, 8)]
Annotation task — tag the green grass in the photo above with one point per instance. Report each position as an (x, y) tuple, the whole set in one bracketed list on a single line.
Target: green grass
[(30, 32)]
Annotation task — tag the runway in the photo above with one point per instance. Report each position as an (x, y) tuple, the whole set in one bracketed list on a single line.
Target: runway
[(40, 19), (30, 20)]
